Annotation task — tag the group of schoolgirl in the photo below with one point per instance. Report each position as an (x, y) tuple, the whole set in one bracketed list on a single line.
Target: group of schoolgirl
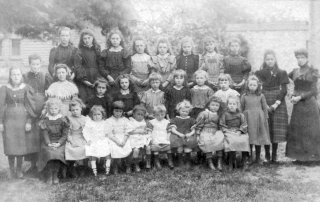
[(156, 104)]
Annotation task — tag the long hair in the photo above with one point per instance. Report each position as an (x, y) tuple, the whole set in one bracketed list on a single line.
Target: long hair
[(110, 34), (61, 66), (266, 53), (253, 78), (186, 40), (166, 41), (206, 41), (139, 38), (217, 100), (95, 45), (180, 72), (125, 76)]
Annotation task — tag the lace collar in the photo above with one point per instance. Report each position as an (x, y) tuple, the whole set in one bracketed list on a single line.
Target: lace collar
[(20, 87), (52, 118), (187, 117)]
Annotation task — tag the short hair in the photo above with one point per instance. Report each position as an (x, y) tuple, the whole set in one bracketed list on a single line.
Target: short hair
[(186, 40), (97, 108), (201, 72), (184, 104), (10, 72), (234, 40), (139, 38), (155, 76), (34, 57), (101, 80), (159, 108), (62, 66), (76, 102), (180, 72), (53, 102), (217, 100), (118, 105), (232, 97), (139, 107), (223, 76), (253, 78), (64, 29), (301, 51), (166, 41)]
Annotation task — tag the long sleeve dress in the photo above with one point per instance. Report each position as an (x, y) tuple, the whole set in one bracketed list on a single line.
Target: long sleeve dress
[(140, 70), (164, 65), (160, 137), (130, 100), (17, 109), (274, 87), (189, 63), (200, 96), (213, 64), (231, 124), (105, 102), (304, 130), (173, 96), (151, 98), (254, 108), (139, 138)]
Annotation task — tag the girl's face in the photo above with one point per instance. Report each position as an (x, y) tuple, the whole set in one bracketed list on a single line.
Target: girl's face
[(54, 110), (76, 111), (87, 40), (187, 48), (200, 79), (160, 115), (124, 84), (115, 40), (16, 76), (235, 48), (232, 105), (253, 85), (101, 89), (35, 66), (179, 80), (163, 48), (138, 115), (224, 84), (61, 74), (97, 116), (184, 112), (155, 84), (214, 106), (117, 113), (139, 46), (270, 60), (302, 60), (65, 37), (210, 46)]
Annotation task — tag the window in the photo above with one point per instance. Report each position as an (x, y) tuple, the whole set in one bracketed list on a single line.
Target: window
[(16, 49)]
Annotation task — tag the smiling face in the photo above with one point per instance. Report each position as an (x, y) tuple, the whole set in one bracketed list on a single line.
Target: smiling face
[(139, 46), (61, 74), (87, 40), (270, 60), (16, 76), (65, 37), (115, 40), (163, 48), (35, 65), (124, 84), (76, 111), (302, 60), (210, 46)]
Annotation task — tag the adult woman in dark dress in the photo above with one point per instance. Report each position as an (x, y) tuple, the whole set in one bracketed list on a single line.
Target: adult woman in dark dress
[(304, 131), (274, 85)]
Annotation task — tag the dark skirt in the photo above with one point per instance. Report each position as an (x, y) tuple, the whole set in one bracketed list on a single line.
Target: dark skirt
[(304, 131), (48, 153), (176, 141), (278, 119), (160, 147)]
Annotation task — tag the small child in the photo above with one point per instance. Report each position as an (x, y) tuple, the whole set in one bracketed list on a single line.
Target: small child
[(126, 94), (160, 138), (234, 126), (255, 109), (62, 89), (177, 93), (100, 98), (183, 136), (186, 60), (98, 144), (139, 137), (154, 96), (55, 128), (75, 145), (200, 93), (118, 128), (210, 137)]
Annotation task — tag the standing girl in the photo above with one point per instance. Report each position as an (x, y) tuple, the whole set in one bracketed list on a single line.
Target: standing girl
[(200, 93), (126, 94), (274, 87), (187, 61), (210, 138), (86, 64), (62, 89), (255, 109), (54, 128), (177, 93), (118, 132), (16, 115), (97, 142), (183, 136), (164, 62), (211, 61)]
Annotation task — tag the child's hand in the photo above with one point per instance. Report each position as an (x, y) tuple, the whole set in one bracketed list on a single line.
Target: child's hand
[(129, 113), (87, 83), (56, 144), (1, 128), (28, 127), (145, 82), (72, 76), (188, 135), (274, 106), (110, 79)]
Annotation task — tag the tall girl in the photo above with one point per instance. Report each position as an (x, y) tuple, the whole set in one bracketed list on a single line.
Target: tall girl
[(255, 109), (86, 64), (211, 61), (186, 60), (114, 59), (164, 62), (177, 93), (200, 93), (62, 89), (16, 115), (211, 139), (140, 65), (274, 87), (237, 66)]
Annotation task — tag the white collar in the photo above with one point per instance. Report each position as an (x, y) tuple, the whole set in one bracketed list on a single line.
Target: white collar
[(100, 96), (124, 92), (52, 118), (183, 117), (21, 86), (201, 87), (118, 49), (154, 91), (178, 88)]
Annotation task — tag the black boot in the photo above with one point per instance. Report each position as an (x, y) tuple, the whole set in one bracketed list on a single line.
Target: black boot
[(115, 166), (170, 161), (231, 160), (274, 152), (11, 166), (188, 160), (180, 159), (245, 156), (157, 162), (19, 167), (267, 151), (136, 166), (128, 165), (148, 161), (258, 152)]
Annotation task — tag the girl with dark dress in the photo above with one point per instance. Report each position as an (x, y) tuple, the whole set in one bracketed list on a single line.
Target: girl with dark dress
[(64, 53), (304, 130), (274, 87), (16, 115), (86, 64)]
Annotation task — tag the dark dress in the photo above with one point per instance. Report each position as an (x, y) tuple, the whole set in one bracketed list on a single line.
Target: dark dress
[(105, 102), (17, 109), (184, 126), (189, 64), (53, 131), (173, 96), (130, 100), (86, 69), (61, 55), (304, 130), (274, 87)]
